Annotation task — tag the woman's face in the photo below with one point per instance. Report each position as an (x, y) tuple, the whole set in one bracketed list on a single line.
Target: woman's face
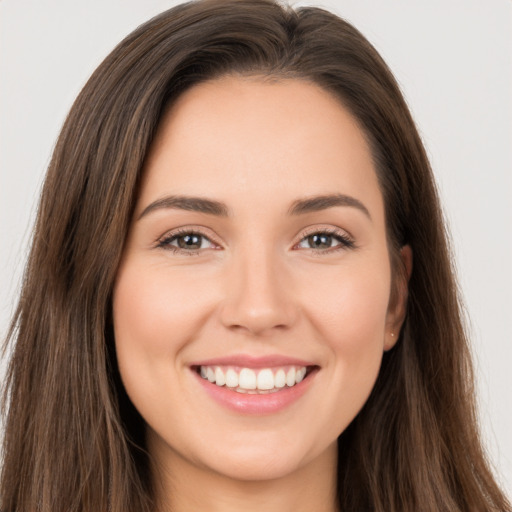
[(257, 253)]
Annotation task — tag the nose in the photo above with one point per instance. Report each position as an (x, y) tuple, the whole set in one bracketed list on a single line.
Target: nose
[(259, 295)]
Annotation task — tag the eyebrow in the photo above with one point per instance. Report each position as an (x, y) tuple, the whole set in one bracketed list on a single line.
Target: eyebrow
[(318, 203), (193, 204), (219, 209)]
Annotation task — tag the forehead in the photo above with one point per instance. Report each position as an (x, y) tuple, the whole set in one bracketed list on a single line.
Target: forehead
[(247, 139)]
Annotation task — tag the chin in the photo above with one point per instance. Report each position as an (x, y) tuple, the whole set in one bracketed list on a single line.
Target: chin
[(267, 457), (259, 465)]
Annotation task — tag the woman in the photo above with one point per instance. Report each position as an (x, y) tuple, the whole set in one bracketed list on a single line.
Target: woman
[(232, 298)]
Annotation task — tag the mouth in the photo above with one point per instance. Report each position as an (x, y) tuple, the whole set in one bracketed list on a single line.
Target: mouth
[(255, 381), (257, 386)]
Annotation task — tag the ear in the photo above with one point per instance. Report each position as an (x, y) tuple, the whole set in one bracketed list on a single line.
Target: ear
[(397, 308)]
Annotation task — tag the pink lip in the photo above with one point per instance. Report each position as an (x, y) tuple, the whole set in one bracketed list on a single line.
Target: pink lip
[(256, 404), (247, 361)]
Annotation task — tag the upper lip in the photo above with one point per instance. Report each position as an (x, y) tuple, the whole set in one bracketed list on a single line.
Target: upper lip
[(248, 361)]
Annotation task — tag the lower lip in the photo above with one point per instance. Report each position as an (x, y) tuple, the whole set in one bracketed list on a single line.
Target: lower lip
[(265, 403)]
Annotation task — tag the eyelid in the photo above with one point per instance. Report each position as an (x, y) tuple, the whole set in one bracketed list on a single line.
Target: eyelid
[(164, 240), (346, 239), (323, 228)]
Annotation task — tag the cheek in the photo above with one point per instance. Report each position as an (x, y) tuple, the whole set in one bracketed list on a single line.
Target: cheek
[(155, 316), (350, 307), (349, 312), (154, 310), (156, 313)]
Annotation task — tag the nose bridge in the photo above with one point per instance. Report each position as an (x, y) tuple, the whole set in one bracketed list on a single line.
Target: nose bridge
[(257, 292)]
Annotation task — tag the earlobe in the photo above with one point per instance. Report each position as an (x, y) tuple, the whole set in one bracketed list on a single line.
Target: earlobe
[(398, 304), (390, 341)]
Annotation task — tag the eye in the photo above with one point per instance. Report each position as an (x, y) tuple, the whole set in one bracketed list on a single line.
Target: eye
[(326, 241), (186, 241)]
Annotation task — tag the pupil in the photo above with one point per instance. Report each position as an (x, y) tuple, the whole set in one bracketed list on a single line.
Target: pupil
[(190, 242), (320, 241)]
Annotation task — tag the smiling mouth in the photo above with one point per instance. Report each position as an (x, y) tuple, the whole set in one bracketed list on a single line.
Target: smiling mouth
[(254, 381)]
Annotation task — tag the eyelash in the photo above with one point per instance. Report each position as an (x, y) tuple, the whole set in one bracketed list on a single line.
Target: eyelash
[(165, 241), (345, 242)]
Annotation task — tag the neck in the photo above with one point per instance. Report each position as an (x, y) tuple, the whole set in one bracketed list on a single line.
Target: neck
[(182, 486)]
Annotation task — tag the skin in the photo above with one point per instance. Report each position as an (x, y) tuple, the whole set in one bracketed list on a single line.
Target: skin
[(256, 286)]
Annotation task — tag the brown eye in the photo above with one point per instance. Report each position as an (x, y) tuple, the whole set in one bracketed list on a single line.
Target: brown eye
[(191, 241), (320, 241), (188, 241)]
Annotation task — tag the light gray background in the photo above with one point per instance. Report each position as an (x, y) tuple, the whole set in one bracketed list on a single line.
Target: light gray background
[(453, 60)]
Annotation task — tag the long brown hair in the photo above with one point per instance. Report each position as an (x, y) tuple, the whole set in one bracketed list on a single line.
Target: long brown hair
[(73, 441)]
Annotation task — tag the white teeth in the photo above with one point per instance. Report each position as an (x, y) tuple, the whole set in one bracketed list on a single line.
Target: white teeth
[(231, 378), (290, 377), (247, 380), (220, 380), (265, 379), (299, 376), (280, 379)]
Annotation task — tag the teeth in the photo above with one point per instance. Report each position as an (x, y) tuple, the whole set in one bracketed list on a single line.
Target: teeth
[(265, 379), (231, 378), (299, 375), (279, 379), (247, 380), (290, 377), (220, 379)]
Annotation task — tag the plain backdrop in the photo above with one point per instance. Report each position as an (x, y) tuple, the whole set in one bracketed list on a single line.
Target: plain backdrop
[(453, 60)]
